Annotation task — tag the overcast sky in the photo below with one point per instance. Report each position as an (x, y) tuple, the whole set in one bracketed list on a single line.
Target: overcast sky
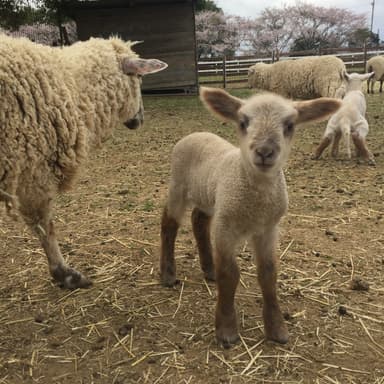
[(252, 8)]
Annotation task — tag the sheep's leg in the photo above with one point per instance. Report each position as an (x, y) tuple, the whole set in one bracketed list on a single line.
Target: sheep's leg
[(274, 325), (320, 149), (169, 228), (201, 229), (39, 219), (335, 144), (227, 279), (381, 86)]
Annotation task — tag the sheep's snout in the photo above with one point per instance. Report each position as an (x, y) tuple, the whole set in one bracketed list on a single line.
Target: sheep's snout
[(136, 121), (265, 155)]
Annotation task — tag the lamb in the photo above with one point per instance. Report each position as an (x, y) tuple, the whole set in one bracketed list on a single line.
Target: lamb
[(349, 121), (375, 64), (241, 192), (56, 105), (304, 78)]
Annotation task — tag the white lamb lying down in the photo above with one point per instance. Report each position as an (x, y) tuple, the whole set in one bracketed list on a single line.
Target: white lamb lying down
[(349, 121), (241, 191)]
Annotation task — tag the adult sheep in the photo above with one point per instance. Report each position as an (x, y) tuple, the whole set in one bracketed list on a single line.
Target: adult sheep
[(375, 64), (55, 104), (305, 78)]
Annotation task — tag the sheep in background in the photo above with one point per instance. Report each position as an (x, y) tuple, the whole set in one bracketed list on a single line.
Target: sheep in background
[(349, 121), (305, 78), (56, 104), (375, 64), (241, 191)]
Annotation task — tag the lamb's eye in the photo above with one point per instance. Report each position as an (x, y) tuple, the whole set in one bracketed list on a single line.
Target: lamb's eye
[(244, 122), (288, 128)]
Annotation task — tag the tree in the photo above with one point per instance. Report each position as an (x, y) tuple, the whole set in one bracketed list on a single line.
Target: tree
[(322, 27), (207, 5), (272, 31)]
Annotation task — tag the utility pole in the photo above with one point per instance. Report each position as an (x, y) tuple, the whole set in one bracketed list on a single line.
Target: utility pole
[(373, 9)]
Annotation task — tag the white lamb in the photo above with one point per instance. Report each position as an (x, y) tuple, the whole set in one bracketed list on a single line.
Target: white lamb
[(349, 121), (242, 191), (304, 78), (375, 64)]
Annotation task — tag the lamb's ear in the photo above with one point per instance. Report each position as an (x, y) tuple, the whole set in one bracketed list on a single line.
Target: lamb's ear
[(316, 109), (221, 103), (366, 76), (137, 66)]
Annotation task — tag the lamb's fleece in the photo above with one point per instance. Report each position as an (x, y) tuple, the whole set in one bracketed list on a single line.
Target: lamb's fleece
[(305, 78), (54, 104)]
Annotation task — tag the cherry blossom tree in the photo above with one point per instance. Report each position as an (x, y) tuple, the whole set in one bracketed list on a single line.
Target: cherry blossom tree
[(317, 26)]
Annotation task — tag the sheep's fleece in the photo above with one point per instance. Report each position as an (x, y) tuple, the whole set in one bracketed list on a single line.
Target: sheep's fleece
[(304, 78), (54, 105)]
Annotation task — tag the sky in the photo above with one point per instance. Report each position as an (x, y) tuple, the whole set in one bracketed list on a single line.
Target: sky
[(252, 8)]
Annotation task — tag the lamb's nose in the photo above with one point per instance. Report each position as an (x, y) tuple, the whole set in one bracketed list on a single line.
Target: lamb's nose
[(265, 153)]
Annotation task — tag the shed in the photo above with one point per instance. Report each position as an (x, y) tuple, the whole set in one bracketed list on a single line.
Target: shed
[(166, 27)]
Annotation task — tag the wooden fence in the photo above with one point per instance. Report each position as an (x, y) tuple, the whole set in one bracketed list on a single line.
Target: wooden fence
[(224, 71)]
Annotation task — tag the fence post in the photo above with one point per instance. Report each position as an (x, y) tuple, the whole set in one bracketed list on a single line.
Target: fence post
[(224, 72), (365, 55)]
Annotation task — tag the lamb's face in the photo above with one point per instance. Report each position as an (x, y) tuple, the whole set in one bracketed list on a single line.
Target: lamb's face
[(266, 123), (266, 126)]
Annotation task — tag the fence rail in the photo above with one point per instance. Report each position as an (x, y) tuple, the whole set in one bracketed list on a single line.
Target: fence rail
[(235, 70)]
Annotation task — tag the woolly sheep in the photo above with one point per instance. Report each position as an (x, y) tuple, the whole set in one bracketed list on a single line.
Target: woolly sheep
[(375, 64), (304, 78), (349, 121), (55, 105), (241, 191)]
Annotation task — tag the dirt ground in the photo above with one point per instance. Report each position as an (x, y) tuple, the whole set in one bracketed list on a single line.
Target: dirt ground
[(128, 329)]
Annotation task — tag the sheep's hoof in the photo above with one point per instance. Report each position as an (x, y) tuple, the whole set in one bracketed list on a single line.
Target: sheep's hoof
[(314, 157), (69, 278), (372, 162)]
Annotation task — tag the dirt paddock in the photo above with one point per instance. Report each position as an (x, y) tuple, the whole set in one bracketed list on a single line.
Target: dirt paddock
[(128, 329)]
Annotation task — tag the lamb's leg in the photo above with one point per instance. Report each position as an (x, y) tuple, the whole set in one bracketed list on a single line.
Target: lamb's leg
[(227, 279), (169, 227), (381, 86), (362, 148), (201, 229), (335, 144), (274, 325), (320, 149), (40, 220)]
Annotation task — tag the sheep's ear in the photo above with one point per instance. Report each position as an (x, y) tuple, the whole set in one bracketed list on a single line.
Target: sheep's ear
[(137, 66), (221, 103), (317, 109)]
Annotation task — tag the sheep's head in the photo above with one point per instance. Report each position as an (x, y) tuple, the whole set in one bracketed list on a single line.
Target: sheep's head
[(354, 81), (266, 123), (132, 69)]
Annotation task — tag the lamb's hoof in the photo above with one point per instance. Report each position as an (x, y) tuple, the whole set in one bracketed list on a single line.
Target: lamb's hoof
[(226, 329), (210, 276), (279, 334), (227, 337), (314, 157), (371, 162), (69, 278), (169, 281)]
